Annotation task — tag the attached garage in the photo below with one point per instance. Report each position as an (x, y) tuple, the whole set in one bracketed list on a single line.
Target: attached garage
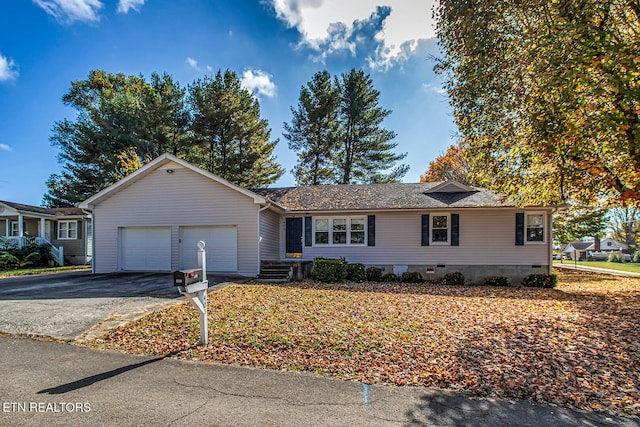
[(221, 246), (152, 220), (145, 248)]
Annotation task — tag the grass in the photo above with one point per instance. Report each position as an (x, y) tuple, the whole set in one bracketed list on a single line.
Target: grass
[(618, 266), (577, 345), (28, 271)]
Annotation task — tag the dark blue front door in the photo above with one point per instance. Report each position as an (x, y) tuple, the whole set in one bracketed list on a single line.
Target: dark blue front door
[(294, 238)]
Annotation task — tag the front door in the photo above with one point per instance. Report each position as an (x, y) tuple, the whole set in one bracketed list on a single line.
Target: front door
[(294, 238)]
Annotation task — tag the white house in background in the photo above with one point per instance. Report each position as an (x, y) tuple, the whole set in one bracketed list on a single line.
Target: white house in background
[(67, 230), (152, 219), (588, 248)]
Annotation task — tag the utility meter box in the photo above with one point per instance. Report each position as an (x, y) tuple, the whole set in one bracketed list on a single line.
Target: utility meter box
[(184, 278)]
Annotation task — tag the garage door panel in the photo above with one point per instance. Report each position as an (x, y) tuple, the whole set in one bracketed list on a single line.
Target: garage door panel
[(221, 245), (145, 248)]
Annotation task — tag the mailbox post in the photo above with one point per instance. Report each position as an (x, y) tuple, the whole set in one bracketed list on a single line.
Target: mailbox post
[(193, 284)]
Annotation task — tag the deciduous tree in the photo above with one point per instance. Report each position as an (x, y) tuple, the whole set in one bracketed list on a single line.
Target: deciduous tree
[(546, 95), (452, 165)]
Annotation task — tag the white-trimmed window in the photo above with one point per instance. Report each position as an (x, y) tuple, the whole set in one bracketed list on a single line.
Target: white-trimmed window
[(534, 227), (440, 229), (14, 228), (67, 230), (339, 231)]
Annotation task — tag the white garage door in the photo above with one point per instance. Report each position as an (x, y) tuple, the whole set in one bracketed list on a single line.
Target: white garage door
[(221, 245), (145, 248)]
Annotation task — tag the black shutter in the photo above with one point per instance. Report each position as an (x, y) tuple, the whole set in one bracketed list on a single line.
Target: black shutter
[(519, 229), (455, 230), (308, 238), (425, 230), (371, 230)]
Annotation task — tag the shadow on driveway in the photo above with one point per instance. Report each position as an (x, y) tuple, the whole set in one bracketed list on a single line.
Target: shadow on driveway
[(83, 284)]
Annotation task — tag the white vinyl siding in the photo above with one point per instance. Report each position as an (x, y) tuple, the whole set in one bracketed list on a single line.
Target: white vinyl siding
[(179, 199), (486, 238), (269, 235)]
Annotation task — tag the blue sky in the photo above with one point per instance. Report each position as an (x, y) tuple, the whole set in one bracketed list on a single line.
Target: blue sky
[(274, 45)]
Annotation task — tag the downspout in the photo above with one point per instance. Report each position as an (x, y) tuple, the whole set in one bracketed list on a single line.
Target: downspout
[(550, 245), (93, 240), (265, 207)]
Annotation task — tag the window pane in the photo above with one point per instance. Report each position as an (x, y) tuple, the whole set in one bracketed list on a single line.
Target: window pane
[(339, 237), (439, 222), (535, 228), (534, 220), (439, 234), (322, 237), (535, 235), (357, 224), (357, 237), (322, 225), (339, 224)]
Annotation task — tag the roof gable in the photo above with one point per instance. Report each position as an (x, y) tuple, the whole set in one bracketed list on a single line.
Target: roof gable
[(164, 160)]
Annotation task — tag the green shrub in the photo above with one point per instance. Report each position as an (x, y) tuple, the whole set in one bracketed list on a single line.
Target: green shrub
[(374, 274), (30, 254), (411, 277), (636, 257), (540, 281), (329, 269), (456, 279), (497, 281), (356, 273), (389, 277)]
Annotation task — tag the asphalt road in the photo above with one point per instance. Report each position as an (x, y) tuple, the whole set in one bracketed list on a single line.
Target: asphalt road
[(67, 305), (54, 384)]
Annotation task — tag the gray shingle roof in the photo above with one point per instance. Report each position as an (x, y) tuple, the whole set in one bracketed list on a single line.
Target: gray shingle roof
[(377, 196), (47, 211)]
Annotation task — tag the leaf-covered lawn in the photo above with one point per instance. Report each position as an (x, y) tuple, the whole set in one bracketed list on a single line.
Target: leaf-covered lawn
[(577, 345)]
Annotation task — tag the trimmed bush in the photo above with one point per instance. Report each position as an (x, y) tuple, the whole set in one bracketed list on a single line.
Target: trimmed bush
[(356, 273), (496, 281), (389, 277), (455, 279), (540, 281), (411, 277), (329, 270), (374, 274)]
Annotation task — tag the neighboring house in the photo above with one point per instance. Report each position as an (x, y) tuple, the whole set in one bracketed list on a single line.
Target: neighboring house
[(577, 250), (67, 230), (584, 249), (152, 219)]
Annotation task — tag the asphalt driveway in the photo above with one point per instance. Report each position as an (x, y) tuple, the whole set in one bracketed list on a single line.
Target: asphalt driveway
[(68, 305)]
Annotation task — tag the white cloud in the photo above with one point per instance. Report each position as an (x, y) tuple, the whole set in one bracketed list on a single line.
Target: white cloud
[(408, 22), (125, 5), (69, 11), (5, 147), (192, 63), (258, 81), (437, 88), (7, 69)]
